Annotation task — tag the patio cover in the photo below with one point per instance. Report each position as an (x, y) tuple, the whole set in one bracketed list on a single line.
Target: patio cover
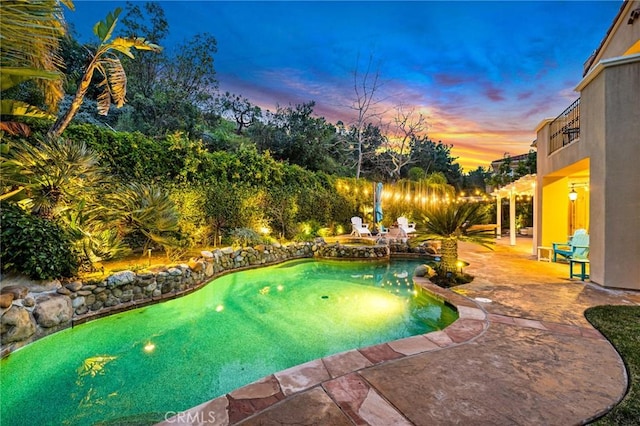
[(526, 185)]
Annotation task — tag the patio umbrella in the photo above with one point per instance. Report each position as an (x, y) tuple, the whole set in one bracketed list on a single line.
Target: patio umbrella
[(377, 203)]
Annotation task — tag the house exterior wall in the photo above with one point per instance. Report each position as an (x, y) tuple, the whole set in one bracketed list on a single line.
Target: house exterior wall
[(552, 188), (554, 214), (608, 149), (593, 128), (622, 178), (621, 36)]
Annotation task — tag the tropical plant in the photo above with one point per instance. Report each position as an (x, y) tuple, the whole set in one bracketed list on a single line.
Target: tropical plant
[(106, 62), (31, 32), (142, 208), (453, 222), (52, 175), (9, 170), (93, 237), (61, 180)]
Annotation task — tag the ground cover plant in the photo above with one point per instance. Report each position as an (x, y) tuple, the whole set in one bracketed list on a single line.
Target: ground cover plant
[(621, 325)]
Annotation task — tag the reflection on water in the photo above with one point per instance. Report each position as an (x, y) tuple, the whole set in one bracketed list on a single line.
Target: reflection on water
[(86, 393), (93, 366)]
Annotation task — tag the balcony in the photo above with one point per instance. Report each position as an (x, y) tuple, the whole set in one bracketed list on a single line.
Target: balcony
[(565, 128)]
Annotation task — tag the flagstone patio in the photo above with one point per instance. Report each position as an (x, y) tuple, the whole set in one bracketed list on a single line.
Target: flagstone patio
[(521, 353)]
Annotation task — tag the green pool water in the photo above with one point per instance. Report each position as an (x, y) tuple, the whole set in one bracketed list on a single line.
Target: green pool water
[(134, 367)]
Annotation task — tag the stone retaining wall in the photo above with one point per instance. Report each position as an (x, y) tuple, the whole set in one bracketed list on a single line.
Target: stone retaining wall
[(402, 246), (340, 251), (31, 311), (34, 310)]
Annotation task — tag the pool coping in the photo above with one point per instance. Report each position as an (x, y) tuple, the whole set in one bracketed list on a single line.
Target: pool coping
[(249, 400)]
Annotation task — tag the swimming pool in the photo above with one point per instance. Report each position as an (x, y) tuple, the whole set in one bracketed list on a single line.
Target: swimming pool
[(133, 367)]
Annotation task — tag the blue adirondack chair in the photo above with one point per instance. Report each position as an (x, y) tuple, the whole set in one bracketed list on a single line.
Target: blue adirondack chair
[(576, 248)]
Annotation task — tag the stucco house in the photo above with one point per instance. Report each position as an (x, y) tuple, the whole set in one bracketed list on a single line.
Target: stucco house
[(592, 149)]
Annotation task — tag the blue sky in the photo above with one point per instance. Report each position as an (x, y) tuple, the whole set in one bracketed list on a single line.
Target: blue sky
[(484, 73)]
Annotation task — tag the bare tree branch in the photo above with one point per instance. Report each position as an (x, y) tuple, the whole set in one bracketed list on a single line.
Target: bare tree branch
[(407, 129), (365, 86)]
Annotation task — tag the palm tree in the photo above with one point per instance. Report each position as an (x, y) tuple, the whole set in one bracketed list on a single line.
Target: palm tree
[(50, 176), (142, 208), (93, 236), (451, 223), (60, 180), (106, 62), (31, 31)]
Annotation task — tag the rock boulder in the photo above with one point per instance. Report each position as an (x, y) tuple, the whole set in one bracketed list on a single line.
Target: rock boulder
[(16, 325), (121, 278), (5, 300), (52, 310), (18, 291)]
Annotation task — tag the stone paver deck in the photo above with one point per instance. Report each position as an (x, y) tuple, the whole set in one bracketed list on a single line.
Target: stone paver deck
[(521, 353)]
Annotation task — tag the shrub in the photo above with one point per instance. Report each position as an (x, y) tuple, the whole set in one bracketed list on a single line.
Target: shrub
[(176, 247), (446, 279), (244, 237), (189, 201), (308, 231), (34, 246)]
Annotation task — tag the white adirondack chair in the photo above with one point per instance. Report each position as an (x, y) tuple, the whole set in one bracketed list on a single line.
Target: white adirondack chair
[(406, 227), (359, 228)]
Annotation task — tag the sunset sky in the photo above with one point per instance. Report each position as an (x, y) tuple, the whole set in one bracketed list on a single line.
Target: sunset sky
[(484, 73)]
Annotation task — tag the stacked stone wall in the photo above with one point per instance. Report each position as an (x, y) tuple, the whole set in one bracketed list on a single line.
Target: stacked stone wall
[(29, 311), (403, 246), (340, 251)]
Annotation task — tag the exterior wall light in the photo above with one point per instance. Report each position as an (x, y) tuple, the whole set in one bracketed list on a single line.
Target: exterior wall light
[(573, 195)]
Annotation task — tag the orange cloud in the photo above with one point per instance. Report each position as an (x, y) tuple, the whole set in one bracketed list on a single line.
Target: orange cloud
[(479, 133)]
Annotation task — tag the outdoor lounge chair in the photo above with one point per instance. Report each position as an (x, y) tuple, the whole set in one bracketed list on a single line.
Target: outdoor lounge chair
[(359, 228), (576, 248), (405, 226)]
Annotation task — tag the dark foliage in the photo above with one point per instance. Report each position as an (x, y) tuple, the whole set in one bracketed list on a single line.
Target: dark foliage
[(34, 246)]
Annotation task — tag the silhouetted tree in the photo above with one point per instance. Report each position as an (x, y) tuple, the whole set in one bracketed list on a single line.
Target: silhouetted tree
[(240, 109)]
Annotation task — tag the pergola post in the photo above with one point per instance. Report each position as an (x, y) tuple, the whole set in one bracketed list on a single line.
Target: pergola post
[(499, 216), (512, 218), (534, 246), (524, 186)]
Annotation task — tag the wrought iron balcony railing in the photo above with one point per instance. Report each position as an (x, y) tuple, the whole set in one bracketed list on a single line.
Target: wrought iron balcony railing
[(565, 128)]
